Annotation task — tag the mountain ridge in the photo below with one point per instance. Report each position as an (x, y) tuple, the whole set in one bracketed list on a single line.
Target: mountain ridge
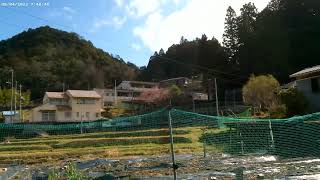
[(46, 59)]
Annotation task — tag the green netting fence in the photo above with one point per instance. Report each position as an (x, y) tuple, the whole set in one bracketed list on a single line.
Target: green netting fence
[(293, 137)]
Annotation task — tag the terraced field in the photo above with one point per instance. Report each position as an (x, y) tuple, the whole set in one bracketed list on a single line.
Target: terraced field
[(99, 145)]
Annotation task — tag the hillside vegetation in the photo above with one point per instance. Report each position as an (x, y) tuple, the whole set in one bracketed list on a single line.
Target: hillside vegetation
[(44, 58), (279, 40)]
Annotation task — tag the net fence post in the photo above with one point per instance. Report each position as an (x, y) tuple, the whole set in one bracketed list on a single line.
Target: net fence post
[(271, 136), (230, 138), (174, 166), (204, 142)]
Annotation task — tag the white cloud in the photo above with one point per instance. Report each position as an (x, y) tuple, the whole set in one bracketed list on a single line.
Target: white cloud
[(176, 2), (115, 22), (66, 13), (119, 3), (135, 46), (118, 21), (197, 17), (69, 10), (139, 8)]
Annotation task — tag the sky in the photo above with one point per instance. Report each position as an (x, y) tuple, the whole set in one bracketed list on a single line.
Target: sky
[(132, 29)]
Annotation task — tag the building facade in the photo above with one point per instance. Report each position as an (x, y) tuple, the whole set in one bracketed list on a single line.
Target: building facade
[(69, 106), (308, 82), (179, 81), (127, 92)]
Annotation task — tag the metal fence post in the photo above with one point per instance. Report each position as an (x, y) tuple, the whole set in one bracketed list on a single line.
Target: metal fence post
[(204, 143), (271, 136), (174, 166)]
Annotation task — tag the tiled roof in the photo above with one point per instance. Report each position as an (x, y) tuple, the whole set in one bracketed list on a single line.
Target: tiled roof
[(83, 94), (306, 71), (55, 94)]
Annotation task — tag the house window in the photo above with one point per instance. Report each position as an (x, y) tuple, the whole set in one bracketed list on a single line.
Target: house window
[(48, 116), (78, 114), (67, 115), (107, 103), (97, 114), (55, 101), (315, 85), (86, 101), (87, 114)]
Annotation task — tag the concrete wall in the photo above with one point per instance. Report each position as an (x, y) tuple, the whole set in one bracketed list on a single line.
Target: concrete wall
[(304, 86)]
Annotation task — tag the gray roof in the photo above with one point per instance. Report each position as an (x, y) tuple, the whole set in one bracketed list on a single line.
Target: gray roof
[(306, 71)]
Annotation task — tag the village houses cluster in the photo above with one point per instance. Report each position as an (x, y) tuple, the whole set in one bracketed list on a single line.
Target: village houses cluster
[(87, 105)]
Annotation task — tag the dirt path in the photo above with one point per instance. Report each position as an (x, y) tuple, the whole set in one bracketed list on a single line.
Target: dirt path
[(219, 166)]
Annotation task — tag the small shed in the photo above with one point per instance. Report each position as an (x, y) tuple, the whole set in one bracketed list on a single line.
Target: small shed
[(11, 117), (308, 82)]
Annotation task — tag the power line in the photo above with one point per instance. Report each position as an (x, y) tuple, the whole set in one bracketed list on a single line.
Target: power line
[(11, 24), (36, 17), (198, 66), (204, 68)]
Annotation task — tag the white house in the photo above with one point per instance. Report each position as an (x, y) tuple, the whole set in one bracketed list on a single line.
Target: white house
[(125, 92), (69, 106), (308, 82)]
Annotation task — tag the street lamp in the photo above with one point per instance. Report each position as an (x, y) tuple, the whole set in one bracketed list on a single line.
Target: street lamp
[(11, 102)]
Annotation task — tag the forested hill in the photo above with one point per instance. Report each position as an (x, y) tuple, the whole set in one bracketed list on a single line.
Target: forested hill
[(280, 40), (44, 58)]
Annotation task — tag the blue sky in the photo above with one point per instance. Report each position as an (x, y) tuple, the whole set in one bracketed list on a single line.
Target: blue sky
[(133, 29)]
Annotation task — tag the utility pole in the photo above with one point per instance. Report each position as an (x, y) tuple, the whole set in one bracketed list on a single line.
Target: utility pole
[(81, 121), (11, 103), (15, 99), (216, 90), (115, 92), (174, 166), (20, 109)]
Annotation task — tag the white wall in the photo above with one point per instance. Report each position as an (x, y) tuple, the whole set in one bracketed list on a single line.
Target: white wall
[(84, 108), (93, 109), (304, 86)]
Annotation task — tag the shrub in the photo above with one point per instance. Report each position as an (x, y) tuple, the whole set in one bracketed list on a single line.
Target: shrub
[(278, 111), (294, 100), (260, 91)]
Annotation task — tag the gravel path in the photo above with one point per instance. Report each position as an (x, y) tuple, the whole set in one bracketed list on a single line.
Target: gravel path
[(218, 166)]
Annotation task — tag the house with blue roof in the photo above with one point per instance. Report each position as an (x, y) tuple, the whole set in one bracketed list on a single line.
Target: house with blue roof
[(11, 116)]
